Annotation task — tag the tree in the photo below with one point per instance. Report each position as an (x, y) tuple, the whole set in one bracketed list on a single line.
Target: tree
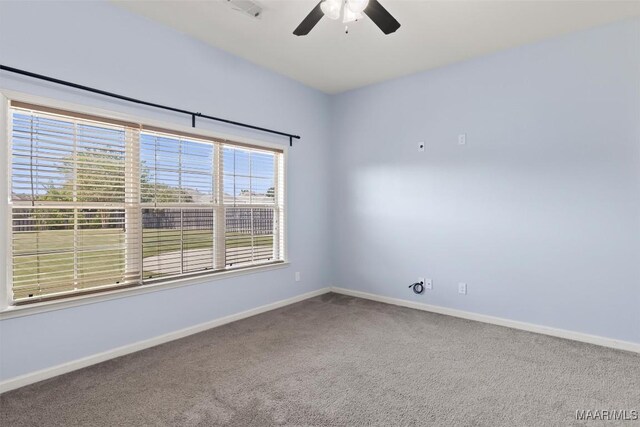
[(99, 177)]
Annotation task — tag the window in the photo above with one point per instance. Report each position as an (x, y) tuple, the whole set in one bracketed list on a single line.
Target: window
[(99, 203)]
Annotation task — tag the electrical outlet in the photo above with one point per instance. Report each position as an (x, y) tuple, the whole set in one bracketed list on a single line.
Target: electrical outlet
[(462, 139), (297, 276), (421, 280), (462, 288), (428, 284), (421, 146)]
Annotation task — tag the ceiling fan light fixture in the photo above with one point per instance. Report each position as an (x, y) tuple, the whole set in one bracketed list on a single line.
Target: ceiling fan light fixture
[(331, 8), (356, 6), (350, 16)]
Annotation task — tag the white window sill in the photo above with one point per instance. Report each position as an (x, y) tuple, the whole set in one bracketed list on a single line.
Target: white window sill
[(42, 307)]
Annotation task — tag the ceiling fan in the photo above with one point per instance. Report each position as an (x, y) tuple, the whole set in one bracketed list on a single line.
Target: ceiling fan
[(351, 11)]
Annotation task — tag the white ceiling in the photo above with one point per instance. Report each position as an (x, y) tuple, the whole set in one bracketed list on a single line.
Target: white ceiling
[(433, 33)]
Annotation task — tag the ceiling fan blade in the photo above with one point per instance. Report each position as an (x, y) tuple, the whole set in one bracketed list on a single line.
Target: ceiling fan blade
[(381, 17), (309, 22)]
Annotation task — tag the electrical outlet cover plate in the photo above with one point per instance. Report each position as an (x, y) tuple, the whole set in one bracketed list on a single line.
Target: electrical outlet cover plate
[(462, 288), (428, 284), (462, 139)]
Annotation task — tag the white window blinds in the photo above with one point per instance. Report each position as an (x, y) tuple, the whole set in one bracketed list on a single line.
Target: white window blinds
[(178, 176), (98, 204)]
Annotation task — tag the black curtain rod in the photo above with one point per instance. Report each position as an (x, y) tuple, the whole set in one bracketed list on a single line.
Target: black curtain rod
[(150, 104)]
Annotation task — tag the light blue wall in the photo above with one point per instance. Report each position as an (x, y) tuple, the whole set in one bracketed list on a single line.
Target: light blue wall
[(106, 47), (539, 213)]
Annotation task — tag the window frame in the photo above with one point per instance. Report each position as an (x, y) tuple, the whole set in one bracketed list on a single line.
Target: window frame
[(8, 308)]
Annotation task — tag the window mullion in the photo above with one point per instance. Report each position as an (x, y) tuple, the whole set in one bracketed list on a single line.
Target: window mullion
[(219, 214), (251, 210), (6, 216), (180, 197), (133, 211), (280, 202), (74, 198), (276, 210)]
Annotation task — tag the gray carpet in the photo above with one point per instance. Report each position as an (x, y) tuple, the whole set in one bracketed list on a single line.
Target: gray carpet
[(337, 361)]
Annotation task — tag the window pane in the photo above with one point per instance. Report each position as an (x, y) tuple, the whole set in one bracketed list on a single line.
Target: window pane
[(42, 158), (68, 214), (262, 165), (62, 250), (175, 170), (249, 235), (100, 164), (198, 239), (43, 251), (161, 242), (262, 191), (101, 247), (237, 189), (249, 176), (177, 241), (62, 160)]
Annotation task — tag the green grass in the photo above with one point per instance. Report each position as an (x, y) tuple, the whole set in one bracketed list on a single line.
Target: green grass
[(102, 259)]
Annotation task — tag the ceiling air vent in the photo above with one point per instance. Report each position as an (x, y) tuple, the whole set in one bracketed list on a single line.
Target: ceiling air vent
[(247, 7)]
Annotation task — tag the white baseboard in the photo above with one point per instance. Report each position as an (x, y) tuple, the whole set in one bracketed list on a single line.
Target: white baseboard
[(33, 377), (73, 365), (545, 330)]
